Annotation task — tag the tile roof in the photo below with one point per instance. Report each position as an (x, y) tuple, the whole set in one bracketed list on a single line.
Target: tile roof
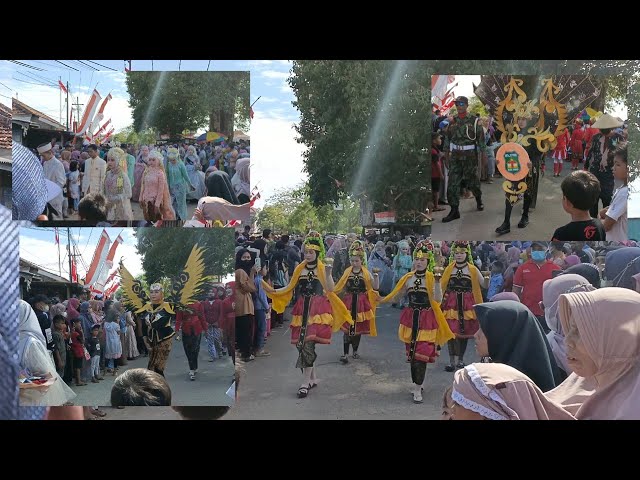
[(20, 108), (5, 127)]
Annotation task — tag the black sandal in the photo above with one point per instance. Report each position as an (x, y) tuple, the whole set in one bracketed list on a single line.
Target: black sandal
[(303, 391), (344, 359), (355, 355), (450, 368), (460, 365)]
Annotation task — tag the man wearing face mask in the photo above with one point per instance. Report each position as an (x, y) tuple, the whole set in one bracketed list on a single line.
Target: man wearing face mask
[(41, 308), (600, 158), (529, 278)]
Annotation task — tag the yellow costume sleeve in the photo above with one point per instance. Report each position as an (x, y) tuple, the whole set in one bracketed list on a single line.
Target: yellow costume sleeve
[(343, 281), (444, 333), (396, 290), (340, 312), (282, 296)]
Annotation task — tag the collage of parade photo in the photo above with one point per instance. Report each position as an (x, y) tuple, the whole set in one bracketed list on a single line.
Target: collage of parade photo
[(420, 241)]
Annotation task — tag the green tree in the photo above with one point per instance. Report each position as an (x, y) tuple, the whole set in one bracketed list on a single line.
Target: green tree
[(172, 102), (166, 250), (291, 211)]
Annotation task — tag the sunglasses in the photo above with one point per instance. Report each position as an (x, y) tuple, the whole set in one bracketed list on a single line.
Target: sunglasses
[(460, 104)]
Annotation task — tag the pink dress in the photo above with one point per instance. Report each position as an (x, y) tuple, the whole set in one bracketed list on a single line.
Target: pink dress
[(154, 196)]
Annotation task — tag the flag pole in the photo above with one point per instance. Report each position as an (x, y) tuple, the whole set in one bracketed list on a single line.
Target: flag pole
[(60, 96), (59, 259)]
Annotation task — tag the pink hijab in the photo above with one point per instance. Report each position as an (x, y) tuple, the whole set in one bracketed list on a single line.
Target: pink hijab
[(500, 392), (608, 321), (572, 260), (505, 296)]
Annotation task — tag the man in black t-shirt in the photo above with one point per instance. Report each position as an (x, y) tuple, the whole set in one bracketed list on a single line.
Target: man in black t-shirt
[(580, 191)]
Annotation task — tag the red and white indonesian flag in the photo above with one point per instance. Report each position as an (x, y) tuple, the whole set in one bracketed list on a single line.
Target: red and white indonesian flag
[(103, 276), (101, 129), (100, 114), (106, 137), (111, 290), (99, 258), (89, 112)]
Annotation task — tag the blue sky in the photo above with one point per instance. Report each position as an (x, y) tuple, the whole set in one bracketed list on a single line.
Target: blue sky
[(38, 245), (278, 161)]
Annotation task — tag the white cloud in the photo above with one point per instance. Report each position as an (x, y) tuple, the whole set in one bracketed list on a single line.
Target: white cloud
[(274, 74), (277, 162), (268, 99), (286, 88)]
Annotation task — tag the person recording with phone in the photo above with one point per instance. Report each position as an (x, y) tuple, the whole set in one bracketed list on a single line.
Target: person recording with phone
[(261, 307), (245, 311)]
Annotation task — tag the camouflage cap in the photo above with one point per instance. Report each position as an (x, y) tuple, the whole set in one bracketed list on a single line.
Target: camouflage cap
[(462, 99)]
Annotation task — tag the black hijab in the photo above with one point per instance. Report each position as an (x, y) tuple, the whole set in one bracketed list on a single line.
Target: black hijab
[(219, 185), (515, 338), (588, 271), (246, 266), (621, 265)]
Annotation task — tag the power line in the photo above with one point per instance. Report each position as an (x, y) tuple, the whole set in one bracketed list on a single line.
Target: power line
[(28, 66), (32, 83), (208, 65), (86, 64), (43, 63), (38, 79), (103, 66), (72, 68)]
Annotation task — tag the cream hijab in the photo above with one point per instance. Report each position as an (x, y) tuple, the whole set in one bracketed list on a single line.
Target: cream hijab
[(608, 321), (29, 328), (500, 392)]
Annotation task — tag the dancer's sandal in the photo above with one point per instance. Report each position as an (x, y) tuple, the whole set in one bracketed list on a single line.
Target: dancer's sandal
[(303, 391), (344, 359), (450, 368), (355, 355)]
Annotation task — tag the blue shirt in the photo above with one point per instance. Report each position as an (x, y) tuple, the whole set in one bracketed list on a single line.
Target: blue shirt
[(495, 285), (260, 301)]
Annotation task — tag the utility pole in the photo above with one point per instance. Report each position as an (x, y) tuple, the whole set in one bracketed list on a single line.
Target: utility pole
[(68, 106), (70, 256)]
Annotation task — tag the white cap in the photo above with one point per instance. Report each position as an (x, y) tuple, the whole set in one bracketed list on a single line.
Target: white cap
[(45, 147)]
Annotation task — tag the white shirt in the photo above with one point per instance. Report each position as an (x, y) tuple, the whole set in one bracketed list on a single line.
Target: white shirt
[(618, 211), (54, 171), (95, 170)]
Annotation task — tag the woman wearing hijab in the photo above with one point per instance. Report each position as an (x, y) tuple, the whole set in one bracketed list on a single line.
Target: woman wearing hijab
[(509, 333), (219, 185), (179, 182), (572, 260), (33, 355), (505, 296), (620, 267), (113, 345), (141, 164), (513, 262), (117, 187), (402, 264), (494, 391), (241, 180), (551, 291), (588, 271), (245, 311), (378, 259), (193, 166), (154, 197), (602, 337)]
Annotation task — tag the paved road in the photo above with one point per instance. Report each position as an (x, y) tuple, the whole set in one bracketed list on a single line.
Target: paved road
[(210, 387), (475, 225), (376, 386)]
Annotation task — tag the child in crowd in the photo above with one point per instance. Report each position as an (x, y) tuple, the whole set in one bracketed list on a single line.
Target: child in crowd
[(60, 345), (580, 191), (139, 387), (93, 208), (497, 280), (614, 217), (93, 347), (77, 348), (74, 185)]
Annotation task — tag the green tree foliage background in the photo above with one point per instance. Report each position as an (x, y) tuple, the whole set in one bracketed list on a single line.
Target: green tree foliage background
[(171, 102), (165, 250)]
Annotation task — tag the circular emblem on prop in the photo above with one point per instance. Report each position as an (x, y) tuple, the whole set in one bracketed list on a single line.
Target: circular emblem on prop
[(512, 160)]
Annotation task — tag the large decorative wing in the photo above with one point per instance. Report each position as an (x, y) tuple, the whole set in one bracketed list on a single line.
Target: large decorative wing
[(132, 289), (191, 281), (563, 97), (492, 90)]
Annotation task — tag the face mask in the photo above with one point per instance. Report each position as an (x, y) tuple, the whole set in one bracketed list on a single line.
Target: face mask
[(537, 256), (45, 308), (246, 264)]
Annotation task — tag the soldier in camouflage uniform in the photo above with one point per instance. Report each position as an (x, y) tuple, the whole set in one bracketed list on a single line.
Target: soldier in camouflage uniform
[(465, 141)]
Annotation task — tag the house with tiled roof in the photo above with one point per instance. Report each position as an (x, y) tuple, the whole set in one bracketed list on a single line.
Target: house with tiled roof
[(5, 155), (31, 127)]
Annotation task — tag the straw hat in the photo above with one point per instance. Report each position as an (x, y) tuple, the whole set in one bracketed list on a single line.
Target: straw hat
[(607, 121)]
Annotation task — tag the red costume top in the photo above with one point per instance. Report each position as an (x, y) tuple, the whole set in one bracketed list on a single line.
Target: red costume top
[(577, 138), (191, 323), (212, 312)]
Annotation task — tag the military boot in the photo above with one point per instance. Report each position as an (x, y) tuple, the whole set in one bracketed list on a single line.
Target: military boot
[(453, 214)]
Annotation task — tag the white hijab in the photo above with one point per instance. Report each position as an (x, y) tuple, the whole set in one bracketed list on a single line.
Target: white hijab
[(29, 328)]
